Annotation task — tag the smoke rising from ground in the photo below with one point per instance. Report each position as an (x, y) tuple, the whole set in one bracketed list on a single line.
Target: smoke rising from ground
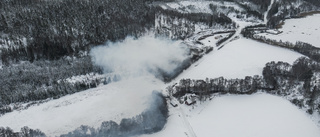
[(133, 58), (136, 57)]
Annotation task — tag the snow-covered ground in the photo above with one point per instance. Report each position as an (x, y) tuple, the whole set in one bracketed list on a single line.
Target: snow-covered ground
[(258, 115), (123, 99), (304, 29), (237, 59)]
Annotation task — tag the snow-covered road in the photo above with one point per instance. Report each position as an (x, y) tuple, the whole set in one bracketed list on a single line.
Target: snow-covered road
[(186, 123)]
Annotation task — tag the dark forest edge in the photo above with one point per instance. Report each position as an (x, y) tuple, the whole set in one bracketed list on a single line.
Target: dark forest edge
[(34, 33)]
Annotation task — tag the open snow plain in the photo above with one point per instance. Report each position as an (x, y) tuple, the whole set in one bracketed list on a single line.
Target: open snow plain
[(257, 115), (240, 58), (302, 29)]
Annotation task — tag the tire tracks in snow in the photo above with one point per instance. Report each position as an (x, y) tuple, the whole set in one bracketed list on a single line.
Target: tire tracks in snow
[(186, 123)]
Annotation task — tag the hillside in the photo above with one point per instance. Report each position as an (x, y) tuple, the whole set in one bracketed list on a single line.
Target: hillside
[(74, 68)]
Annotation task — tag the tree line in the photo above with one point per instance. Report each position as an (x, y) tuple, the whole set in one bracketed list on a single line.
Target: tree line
[(279, 78), (24, 132)]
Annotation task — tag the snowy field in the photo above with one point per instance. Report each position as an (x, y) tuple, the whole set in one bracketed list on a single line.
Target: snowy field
[(258, 115), (123, 99), (237, 59), (305, 29)]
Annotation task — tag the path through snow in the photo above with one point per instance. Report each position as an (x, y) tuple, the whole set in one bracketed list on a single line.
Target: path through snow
[(186, 123)]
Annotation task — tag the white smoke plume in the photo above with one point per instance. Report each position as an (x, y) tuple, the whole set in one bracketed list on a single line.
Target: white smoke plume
[(142, 56)]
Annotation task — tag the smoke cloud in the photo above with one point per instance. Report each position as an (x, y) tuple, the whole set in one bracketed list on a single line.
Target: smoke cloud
[(136, 57), (132, 58)]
